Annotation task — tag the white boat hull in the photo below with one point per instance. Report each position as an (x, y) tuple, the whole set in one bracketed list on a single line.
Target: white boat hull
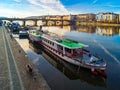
[(72, 61)]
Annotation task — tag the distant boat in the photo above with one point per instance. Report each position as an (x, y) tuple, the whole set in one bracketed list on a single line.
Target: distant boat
[(34, 36), (1, 22), (23, 34), (68, 50)]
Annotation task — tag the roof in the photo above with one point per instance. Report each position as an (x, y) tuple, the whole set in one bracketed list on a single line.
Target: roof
[(33, 32), (22, 31), (72, 44)]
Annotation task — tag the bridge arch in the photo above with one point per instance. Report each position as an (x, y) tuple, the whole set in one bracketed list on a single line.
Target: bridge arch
[(58, 23), (21, 22), (31, 22), (50, 23), (6, 21), (39, 22)]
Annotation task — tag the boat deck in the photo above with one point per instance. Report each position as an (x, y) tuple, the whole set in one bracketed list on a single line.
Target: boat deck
[(64, 42)]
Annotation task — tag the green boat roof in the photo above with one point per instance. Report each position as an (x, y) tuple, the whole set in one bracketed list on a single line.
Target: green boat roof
[(36, 34), (72, 44)]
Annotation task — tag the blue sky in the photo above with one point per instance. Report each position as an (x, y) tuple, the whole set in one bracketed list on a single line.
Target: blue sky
[(24, 8)]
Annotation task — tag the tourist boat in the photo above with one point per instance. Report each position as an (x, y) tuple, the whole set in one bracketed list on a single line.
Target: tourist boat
[(71, 51), (34, 36)]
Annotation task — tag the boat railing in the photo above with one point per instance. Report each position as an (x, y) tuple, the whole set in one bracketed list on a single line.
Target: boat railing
[(86, 51)]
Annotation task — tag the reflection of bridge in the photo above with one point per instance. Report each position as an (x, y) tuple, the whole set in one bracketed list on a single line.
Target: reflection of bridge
[(45, 21)]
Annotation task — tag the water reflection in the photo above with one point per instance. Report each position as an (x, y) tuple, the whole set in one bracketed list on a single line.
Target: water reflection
[(107, 31), (69, 70), (86, 29), (100, 30)]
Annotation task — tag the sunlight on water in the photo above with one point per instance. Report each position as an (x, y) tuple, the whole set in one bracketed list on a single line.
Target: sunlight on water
[(24, 43), (107, 51), (56, 30)]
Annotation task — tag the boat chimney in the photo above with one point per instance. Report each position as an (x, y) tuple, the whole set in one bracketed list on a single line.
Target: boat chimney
[(40, 27)]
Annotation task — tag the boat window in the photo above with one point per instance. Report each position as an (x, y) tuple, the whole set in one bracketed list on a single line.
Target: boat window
[(68, 50), (53, 44), (60, 47)]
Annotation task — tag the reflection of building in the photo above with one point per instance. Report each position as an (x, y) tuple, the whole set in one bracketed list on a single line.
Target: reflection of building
[(69, 28), (87, 29), (85, 17), (119, 31), (106, 17), (107, 31)]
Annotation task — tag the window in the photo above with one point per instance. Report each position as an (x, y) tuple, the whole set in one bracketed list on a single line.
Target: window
[(68, 50), (53, 44), (60, 47)]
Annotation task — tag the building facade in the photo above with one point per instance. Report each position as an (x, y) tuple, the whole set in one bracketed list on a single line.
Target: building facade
[(108, 17), (85, 17), (68, 17)]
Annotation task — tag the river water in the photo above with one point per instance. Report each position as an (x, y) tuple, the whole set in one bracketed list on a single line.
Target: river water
[(60, 75)]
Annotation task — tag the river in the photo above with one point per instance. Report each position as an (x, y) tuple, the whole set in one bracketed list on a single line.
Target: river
[(102, 41)]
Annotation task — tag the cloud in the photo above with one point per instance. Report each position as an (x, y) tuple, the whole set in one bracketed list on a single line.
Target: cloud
[(15, 10), (14, 13), (112, 6), (34, 8), (17, 0), (94, 1), (50, 6)]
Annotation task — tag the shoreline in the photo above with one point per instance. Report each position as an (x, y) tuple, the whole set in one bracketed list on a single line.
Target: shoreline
[(35, 82)]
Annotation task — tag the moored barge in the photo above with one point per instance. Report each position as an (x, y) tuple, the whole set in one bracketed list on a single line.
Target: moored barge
[(69, 50)]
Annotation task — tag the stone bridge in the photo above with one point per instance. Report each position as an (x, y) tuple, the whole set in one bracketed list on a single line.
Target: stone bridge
[(44, 21)]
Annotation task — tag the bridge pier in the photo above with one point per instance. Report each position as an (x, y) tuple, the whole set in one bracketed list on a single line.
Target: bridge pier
[(35, 22), (62, 22), (23, 23), (45, 22), (11, 20)]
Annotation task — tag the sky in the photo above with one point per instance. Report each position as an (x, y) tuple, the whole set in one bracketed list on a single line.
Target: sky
[(25, 8)]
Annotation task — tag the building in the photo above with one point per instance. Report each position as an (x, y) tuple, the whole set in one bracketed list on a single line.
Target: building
[(68, 17), (58, 17), (54, 17), (85, 17), (118, 18), (107, 17)]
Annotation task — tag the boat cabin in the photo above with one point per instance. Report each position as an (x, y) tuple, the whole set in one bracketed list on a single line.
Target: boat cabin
[(71, 48)]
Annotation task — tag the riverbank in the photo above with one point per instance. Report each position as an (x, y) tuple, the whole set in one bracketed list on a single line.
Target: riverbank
[(97, 24), (30, 82), (4, 71)]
